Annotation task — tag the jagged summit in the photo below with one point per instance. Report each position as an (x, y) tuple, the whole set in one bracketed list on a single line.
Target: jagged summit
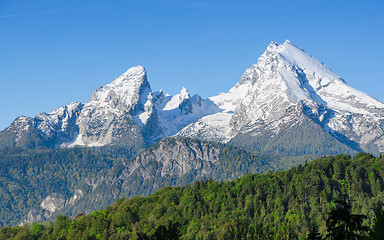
[(114, 108), (284, 88), (306, 78), (177, 100), (276, 99), (136, 70), (184, 93), (290, 54), (272, 45), (129, 91)]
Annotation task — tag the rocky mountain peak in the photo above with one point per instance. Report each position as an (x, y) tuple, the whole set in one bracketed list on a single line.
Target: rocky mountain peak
[(184, 93), (285, 88), (268, 97), (129, 91), (272, 46), (177, 99)]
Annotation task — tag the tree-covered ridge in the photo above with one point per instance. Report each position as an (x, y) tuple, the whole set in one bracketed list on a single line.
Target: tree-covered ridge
[(36, 185), (281, 205), (28, 176)]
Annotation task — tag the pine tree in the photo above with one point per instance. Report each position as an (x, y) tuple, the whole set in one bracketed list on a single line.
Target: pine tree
[(342, 225)]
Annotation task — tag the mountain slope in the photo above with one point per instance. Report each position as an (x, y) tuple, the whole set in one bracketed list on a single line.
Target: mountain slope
[(175, 162), (40, 184), (296, 139), (124, 112), (294, 76), (285, 84), (50, 130), (108, 116), (34, 183)]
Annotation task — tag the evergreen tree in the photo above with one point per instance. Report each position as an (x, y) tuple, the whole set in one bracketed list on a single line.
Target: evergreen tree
[(314, 233), (342, 225), (377, 231), (172, 232)]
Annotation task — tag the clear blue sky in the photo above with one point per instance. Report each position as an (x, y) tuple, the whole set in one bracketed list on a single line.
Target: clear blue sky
[(55, 52)]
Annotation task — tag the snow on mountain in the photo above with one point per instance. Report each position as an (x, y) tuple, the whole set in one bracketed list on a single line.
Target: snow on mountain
[(50, 130), (176, 100), (282, 90), (128, 92), (113, 107), (130, 96), (178, 111), (332, 89), (354, 114), (59, 120), (216, 126), (284, 77)]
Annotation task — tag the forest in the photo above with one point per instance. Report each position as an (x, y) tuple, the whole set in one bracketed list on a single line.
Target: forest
[(333, 197), (28, 176)]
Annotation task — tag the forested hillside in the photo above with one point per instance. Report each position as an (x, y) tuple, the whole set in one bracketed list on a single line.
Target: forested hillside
[(36, 185), (29, 176), (280, 205)]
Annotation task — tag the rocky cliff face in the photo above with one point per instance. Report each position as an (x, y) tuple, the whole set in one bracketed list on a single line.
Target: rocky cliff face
[(170, 162), (108, 116)]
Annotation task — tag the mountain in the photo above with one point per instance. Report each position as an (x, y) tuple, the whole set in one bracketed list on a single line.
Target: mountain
[(36, 185), (287, 103), (292, 98), (45, 130), (124, 112)]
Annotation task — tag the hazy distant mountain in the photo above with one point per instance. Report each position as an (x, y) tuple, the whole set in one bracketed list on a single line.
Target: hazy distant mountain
[(287, 103)]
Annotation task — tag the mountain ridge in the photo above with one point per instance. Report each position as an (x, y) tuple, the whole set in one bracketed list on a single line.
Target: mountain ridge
[(37, 185), (272, 94)]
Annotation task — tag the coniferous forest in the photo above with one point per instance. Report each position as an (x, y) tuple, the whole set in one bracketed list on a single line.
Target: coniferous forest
[(334, 197), (29, 177)]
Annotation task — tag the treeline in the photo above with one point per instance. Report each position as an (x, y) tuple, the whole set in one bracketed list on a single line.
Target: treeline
[(283, 205)]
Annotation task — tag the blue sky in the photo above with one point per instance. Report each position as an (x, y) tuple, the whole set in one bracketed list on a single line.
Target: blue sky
[(56, 52)]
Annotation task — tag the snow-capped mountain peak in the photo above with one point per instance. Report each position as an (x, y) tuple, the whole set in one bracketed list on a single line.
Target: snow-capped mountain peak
[(286, 89), (332, 89), (111, 108), (285, 83), (302, 77), (177, 100), (129, 91)]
